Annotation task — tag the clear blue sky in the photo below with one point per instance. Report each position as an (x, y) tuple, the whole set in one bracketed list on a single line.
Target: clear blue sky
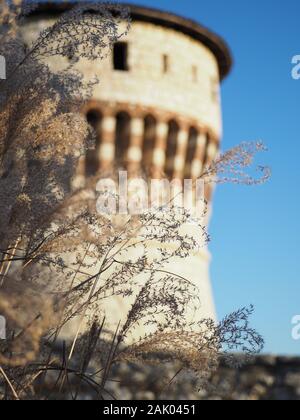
[(256, 230)]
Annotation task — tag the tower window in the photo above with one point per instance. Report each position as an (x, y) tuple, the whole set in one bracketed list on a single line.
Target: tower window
[(171, 152), (195, 74), (120, 56), (94, 118), (149, 140), (191, 151), (215, 90), (122, 140), (205, 160), (166, 63)]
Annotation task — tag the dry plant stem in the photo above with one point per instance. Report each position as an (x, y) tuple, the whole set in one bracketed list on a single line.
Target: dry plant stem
[(84, 313), (4, 260), (8, 259), (96, 277), (9, 384), (11, 260), (76, 337), (111, 355), (91, 351), (174, 377), (82, 318), (78, 270)]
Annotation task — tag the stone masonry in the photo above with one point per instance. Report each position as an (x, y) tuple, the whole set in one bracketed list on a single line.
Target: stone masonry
[(157, 105)]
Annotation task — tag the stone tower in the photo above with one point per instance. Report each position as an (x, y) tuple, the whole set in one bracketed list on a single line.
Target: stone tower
[(158, 104)]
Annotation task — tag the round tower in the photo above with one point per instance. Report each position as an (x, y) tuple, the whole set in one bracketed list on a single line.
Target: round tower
[(158, 104)]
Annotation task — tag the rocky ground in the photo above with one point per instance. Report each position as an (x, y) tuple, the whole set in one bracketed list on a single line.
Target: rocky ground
[(264, 378)]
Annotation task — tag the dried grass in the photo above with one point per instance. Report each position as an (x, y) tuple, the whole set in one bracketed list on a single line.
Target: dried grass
[(60, 259)]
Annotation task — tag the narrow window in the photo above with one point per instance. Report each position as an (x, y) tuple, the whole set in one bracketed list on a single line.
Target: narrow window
[(122, 138), (94, 118), (195, 74), (120, 56), (171, 148), (205, 159), (191, 151), (215, 90), (149, 140), (166, 64)]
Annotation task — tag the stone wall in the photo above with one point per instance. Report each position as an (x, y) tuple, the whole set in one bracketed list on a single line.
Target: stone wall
[(189, 88), (185, 105), (264, 378)]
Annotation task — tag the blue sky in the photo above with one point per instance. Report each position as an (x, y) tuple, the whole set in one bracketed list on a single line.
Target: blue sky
[(255, 230)]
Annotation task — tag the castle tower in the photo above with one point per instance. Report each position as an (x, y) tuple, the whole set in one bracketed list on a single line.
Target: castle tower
[(158, 104)]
